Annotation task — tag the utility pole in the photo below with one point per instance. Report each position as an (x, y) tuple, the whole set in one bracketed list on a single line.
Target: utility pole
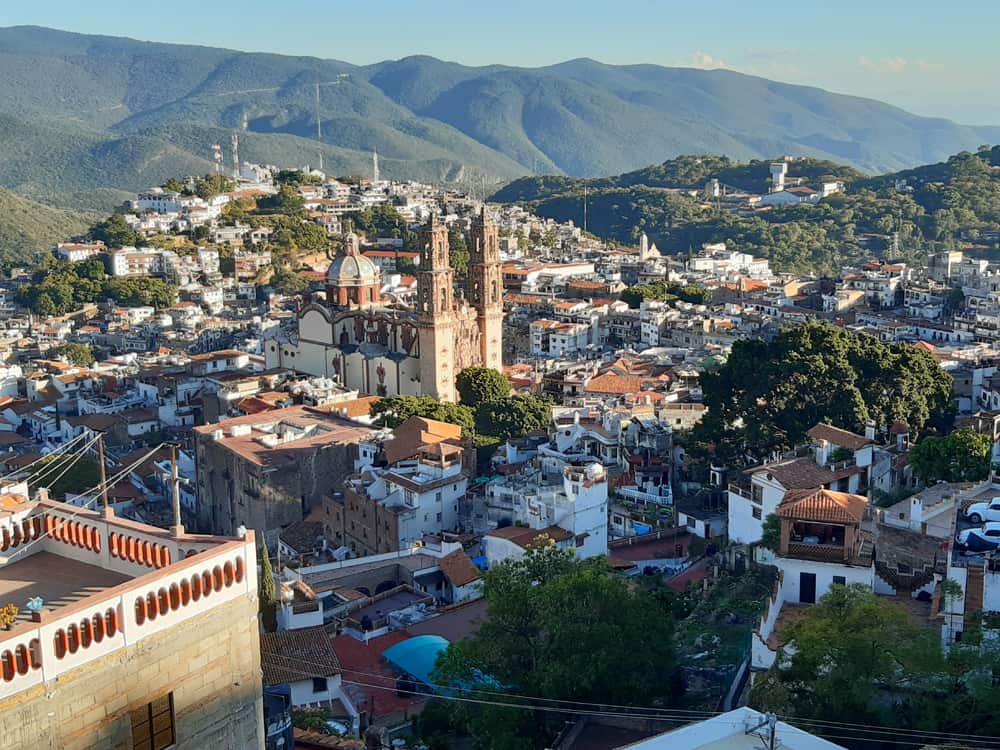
[(585, 207), (175, 485), (104, 474)]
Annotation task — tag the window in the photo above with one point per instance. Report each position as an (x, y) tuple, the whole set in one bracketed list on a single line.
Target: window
[(319, 684), (439, 518), (757, 494), (757, 513), (692, 522), (839, 580), (153, 724)]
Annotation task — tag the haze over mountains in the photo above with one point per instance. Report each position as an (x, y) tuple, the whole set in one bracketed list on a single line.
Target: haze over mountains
[(80, 112)]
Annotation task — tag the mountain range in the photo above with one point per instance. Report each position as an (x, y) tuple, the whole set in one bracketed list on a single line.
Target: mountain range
[(81, 113)]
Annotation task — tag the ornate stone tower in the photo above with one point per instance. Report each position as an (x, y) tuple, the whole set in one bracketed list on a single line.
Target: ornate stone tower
[(486, 288), (435, 309)]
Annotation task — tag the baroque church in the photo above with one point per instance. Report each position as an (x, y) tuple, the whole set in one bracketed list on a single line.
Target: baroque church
[(384, 347)]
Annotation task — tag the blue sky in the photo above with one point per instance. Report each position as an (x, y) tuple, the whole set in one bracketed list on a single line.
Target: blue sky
[(934, 58)]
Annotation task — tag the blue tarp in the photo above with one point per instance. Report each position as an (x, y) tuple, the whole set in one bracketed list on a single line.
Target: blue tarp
[(417, 655), (481, 562), (641, 528)]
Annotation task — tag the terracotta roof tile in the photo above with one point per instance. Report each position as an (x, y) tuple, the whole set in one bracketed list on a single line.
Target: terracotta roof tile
[(294, 655), (825, 506), (843, 438), (527, 538), (458, 568), (804, 473)]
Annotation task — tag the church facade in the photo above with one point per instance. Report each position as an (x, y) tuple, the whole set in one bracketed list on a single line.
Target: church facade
[(381, 346)]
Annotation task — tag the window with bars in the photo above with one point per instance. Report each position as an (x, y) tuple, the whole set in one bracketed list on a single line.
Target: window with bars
[(153, 724)]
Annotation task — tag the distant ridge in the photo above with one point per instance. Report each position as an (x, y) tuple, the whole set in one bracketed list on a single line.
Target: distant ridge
[(84, 111)]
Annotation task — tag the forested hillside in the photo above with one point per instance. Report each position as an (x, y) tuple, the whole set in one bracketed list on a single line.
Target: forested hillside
[(940, 206), (27, 228), (84, 112)]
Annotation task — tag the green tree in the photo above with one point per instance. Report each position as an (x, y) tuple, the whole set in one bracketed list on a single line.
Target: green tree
[(115, 232), (962, 456), (458, 251), (81, 355), (133, 292), (513, 416), (392, 411), (289, 282), (849, 647), (174, 185), (211, 185), (477, 385), (771, 536), (295, 177), (769, 393), (68, 474), (555, 628), (287, 200), (268, 595)]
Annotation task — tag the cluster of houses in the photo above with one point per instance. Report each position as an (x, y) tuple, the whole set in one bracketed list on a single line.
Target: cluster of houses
[(379, 536)]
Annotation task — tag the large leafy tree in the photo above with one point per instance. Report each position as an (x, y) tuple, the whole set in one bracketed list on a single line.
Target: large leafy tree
[(962, 456), (513, 416), (115, 232), (769, 393), (478, 385), (81, 355), (555, 629), (848, 648), (861, 658), (392, 411)]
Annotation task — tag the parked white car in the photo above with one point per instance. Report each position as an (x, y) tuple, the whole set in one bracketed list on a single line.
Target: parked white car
[(980, 540), (982, 512)]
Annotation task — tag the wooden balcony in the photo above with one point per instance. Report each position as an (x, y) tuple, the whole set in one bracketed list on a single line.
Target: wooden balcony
[(827, 552)]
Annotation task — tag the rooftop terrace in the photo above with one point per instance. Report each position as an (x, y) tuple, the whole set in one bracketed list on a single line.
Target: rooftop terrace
[(105, 583)]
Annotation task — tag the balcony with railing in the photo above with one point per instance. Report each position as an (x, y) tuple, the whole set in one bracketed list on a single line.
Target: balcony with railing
[(97, 584)]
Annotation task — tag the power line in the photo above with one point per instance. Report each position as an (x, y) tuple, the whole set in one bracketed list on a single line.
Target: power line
[(114, 479), (69, 464), (863, 731), (64, 461), (62, 448)]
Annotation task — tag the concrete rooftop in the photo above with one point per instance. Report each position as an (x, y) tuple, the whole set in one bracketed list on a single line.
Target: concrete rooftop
[(60, 581)]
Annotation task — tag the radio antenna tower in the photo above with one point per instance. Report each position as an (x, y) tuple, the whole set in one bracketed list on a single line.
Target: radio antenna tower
[(236, 155), (319, 130), (217, 157), (375, 174)]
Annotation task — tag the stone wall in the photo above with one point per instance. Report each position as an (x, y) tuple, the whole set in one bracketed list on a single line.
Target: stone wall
[(211, 663)]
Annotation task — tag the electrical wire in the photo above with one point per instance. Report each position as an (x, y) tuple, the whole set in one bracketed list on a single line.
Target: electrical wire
[(46, 457), (84, 506), (64, 462), (862, 731)]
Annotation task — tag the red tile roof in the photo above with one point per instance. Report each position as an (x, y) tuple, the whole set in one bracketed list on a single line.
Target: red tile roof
[(294, 655), (843, 438), (825, 506)]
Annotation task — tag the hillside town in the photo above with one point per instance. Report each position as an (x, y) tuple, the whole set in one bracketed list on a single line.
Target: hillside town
[(341, 405)]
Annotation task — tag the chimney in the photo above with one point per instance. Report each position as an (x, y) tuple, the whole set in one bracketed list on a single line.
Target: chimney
[(917, 514), (870, 430)]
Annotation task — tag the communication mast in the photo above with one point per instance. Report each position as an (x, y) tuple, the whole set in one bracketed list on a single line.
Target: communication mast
[(319, 130), (375, 174), (217, 157), (236, 155)]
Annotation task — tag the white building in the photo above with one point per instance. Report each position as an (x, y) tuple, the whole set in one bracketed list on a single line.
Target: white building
[(559, 339), (574, 500), (739, 729), (74, 252)]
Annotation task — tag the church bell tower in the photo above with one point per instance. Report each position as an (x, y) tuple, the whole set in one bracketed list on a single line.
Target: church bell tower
[(435, 313), (486, 288)]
